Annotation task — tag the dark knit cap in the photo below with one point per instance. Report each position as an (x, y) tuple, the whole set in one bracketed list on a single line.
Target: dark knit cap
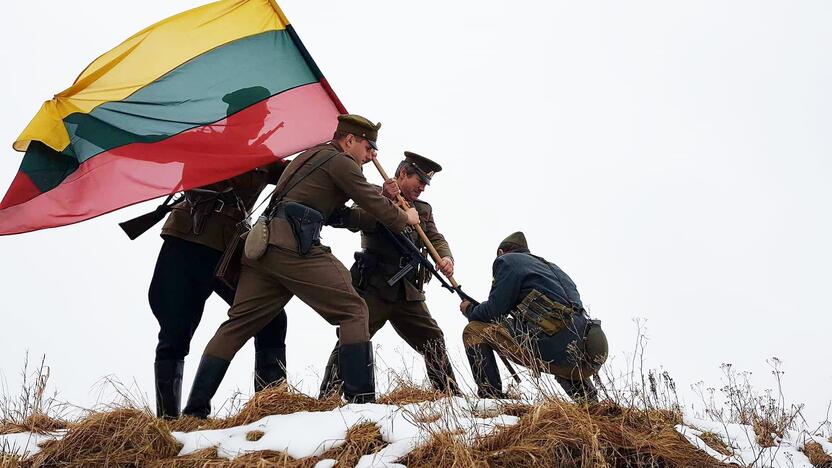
[(513, 242)]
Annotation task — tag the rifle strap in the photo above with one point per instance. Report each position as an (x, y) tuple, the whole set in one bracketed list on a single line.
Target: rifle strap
[(167, 200), (300, 172)]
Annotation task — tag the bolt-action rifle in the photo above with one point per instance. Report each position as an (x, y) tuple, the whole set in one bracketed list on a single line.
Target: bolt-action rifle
[(140, 224), (407, 249)]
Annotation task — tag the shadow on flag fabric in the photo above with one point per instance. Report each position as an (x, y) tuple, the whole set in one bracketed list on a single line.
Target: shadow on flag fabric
[(194, 99)]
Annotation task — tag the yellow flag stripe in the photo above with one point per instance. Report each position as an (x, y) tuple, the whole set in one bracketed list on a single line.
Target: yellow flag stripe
[(148, 55)]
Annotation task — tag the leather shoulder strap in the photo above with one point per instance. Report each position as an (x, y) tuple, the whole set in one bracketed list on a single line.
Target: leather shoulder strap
[(300, 172)]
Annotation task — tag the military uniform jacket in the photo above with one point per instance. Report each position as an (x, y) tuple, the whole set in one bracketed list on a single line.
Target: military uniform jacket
[(220, 227), (515, 275), (376, 243), (330, 186)]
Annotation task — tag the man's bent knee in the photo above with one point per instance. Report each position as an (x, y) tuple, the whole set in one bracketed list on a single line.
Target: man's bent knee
[(475, 333)]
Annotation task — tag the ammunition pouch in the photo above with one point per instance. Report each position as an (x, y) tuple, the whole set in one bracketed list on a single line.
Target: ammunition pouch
[(540, 312), (203, 203), (306, 224), (365, 264)]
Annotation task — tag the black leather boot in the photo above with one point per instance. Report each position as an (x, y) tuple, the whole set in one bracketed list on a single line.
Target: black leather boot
[(331, 381), (168, 377), (355, 366), (269, 367), (581, 391), (208, 378), (439, 369), (485, 371)]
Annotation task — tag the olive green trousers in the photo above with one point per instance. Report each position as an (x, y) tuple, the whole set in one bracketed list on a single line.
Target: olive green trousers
[(318, 279)]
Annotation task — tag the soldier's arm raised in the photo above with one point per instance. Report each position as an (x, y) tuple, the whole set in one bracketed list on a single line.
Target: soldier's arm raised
[(349, 178)]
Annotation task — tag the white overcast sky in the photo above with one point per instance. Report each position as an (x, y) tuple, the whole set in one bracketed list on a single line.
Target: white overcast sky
[(672, 157)]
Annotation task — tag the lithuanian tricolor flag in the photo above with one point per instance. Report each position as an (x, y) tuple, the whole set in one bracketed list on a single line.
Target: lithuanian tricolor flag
[(196, 98)]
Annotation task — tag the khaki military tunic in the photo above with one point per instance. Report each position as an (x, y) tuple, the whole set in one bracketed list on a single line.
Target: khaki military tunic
[(222, 217), (402, 304), (319, 279)]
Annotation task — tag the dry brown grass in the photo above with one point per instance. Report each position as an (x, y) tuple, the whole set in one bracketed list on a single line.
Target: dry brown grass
[(197, 459), (276, 400), (406, 393), (765, 431), (510, 408), (715, 442), (557, 433), (445, 449), (122, 437), (816, 455), (37, 422), (208, 458), (254, 436), (9, 461), (265, 458), (362, 439)]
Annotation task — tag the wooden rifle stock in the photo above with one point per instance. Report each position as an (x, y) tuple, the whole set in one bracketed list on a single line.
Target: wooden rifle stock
[(139, 225)]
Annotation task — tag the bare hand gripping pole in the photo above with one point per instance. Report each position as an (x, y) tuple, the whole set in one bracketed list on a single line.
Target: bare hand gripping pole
[(454, 286)]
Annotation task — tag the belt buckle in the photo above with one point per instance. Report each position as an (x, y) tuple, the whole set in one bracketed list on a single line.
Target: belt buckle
[(221, 206), (403, 261)]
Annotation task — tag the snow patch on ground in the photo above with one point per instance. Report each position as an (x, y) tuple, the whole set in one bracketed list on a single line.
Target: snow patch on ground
[(742, 440), (308, 434), (404, 428), (25, 444)]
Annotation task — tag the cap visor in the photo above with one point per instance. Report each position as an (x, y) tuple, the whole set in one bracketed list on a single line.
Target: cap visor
[(373, 144)]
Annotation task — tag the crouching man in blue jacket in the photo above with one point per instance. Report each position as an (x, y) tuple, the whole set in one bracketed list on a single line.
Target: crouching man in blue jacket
[(534, 317)]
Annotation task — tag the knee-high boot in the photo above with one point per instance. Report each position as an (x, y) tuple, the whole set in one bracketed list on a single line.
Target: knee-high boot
[(209, 375), (331, 381), (168, 377), (485, 371), (269, 367), (581, 391), (355, 366)]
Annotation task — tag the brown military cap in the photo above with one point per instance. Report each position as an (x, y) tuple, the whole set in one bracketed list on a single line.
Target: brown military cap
[(425, 168), (514, 241), (360, 127)]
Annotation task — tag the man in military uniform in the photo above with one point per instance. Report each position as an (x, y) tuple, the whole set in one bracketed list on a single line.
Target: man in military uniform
[(312, 187), (403, 303), (196, 233), (549, 330)]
